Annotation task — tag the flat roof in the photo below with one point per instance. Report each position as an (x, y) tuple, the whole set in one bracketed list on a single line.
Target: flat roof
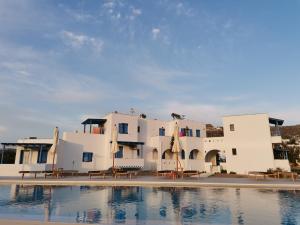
[(25, 144), (94, 121)]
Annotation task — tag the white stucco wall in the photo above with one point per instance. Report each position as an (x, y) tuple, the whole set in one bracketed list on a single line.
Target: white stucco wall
[(252, 139)]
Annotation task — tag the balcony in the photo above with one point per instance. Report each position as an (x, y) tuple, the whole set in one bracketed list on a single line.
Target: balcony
[(129, 163)]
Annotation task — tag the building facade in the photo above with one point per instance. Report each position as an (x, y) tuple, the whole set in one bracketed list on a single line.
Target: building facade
[(244, 143)]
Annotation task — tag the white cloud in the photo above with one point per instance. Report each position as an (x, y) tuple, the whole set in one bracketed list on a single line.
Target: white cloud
[(78, 41), (182, 9), (135, 13), (155, 33), (160, 78)]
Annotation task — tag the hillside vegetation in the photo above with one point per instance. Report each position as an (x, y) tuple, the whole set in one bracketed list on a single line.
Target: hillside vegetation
[(288, 132)]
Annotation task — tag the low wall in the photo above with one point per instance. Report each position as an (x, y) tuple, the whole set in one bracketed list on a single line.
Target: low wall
[(282, 164), (9, 170), (12, 170)]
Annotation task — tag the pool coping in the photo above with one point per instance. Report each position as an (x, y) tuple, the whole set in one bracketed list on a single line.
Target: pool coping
[(143, 183)]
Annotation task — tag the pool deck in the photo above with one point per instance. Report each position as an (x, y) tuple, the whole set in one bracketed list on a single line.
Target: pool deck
[(145, 181), (29, 222)]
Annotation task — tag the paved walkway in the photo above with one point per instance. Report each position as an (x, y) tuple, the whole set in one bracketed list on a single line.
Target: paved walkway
[(161, 181)]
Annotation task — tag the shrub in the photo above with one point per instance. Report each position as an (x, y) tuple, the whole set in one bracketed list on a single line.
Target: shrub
[(223, 171)]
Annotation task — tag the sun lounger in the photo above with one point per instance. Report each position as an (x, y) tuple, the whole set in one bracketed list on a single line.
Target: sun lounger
[(189, 173), (125, 173), (97, 173), (58, 173), (291, 175), (163, 172), (257, 174), (23, 172)]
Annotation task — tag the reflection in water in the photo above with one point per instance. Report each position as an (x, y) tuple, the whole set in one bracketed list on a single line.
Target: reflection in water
[(290, 207), (137, 205)]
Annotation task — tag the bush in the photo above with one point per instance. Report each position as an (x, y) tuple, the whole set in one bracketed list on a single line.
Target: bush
[(223, 171), (231, 172)]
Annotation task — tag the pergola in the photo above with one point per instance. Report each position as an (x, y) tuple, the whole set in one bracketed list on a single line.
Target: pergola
[(91, 122)]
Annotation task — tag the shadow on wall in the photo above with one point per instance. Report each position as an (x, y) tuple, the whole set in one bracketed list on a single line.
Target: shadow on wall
[(69, 155)]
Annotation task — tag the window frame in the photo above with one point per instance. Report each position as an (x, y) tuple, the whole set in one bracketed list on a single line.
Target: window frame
[(123, 128), (89, 156), (162, 132), (198, 133)]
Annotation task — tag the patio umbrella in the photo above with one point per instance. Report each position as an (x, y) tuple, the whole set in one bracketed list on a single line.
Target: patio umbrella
[(114, 144), (54, 145), (176, 145)]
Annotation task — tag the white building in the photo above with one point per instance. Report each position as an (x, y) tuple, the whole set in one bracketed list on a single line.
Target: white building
[(246, 141)]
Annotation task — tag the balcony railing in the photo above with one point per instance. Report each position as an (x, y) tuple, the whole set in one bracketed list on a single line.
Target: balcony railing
[(275, 132), (129, 163)]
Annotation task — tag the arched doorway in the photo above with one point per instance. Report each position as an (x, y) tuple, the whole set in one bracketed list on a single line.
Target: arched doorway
[(195, 154), (167, 154), (213, 157), (154, 154), (212, 161)]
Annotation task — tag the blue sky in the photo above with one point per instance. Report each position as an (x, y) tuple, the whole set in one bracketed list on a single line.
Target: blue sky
[(63, 61)]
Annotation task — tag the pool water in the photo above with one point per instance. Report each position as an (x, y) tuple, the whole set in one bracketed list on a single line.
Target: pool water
[(140, 205)]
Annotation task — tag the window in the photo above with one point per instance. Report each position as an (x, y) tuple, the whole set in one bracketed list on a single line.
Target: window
[(182, 131), (162, 131), (186, 132), (231, 127), (198, 133), (234, 151), (21, 157), (87, 157), (123, 128), (119, 154), (42, 156), (138, 129)]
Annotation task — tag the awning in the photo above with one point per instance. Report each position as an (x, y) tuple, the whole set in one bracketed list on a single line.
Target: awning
[(94, 121), (130, 143), (275, 121)]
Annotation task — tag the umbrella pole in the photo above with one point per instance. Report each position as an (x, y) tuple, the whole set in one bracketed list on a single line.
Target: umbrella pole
[(53, 161), (177, 162), (113, 167)]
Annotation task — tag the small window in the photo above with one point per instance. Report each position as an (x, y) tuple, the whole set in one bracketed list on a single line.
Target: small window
[(162, 131), (190, 132), (198, 133), (234, 151), (123, 128), (182, 132), (119, 154), (231, 127), (138, 129), (87, 157)]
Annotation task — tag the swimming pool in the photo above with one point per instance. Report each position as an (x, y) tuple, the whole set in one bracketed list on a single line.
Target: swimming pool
[(141, 205)]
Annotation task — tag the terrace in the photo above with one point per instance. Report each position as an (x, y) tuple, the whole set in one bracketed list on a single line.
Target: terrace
[(98, 129)]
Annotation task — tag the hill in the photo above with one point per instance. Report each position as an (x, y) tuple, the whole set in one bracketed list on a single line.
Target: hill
[(290, 131)]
